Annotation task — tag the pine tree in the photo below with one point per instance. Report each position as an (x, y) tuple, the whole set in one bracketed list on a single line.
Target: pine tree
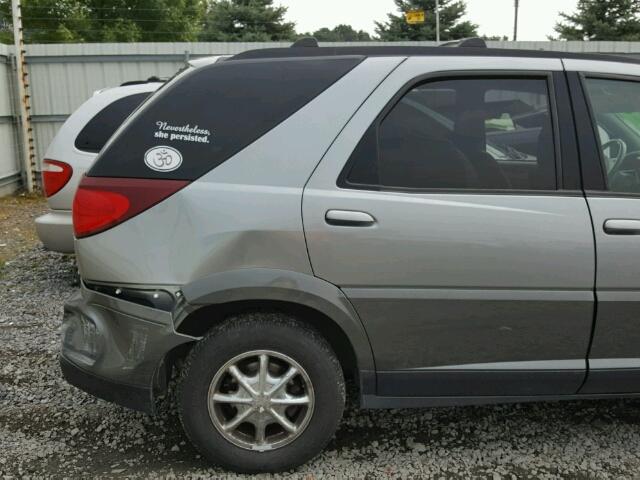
[(451, 25), (602, 20), (246, 21)]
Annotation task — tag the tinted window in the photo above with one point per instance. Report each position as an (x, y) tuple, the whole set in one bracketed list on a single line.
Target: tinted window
[(616, 111), (208, 114), (492, 133), (100, 128)]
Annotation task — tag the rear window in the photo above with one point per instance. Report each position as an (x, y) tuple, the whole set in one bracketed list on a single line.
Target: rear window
[(206, 115), (100, 128)]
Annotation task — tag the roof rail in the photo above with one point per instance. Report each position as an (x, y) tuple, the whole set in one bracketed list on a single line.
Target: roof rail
[(474, 42), (305, 42)]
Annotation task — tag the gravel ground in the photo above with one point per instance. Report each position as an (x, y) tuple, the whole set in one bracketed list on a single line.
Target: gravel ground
[(17, 232), (50, 429)]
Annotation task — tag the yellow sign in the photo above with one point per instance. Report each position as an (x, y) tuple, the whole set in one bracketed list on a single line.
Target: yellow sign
[(414, 17)]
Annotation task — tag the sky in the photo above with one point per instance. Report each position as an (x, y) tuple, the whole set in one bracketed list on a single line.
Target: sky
[(495, 17)]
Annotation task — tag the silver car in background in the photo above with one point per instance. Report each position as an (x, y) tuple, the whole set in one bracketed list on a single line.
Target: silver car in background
[(73, 150)]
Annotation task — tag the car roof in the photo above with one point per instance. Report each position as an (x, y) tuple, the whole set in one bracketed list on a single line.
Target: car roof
[(441, 51)]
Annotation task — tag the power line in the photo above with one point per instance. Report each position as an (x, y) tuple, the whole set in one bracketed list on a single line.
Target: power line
[(65, 19), (102, 30), (129, 9)]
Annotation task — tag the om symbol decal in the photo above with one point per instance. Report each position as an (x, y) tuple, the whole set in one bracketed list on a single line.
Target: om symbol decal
[(163, 159)]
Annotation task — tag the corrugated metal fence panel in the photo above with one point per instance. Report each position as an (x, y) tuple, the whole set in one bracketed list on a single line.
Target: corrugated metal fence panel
[(6, 104), (59, 88), (43, 133), (9, 158), (572, 46), (62, 76)]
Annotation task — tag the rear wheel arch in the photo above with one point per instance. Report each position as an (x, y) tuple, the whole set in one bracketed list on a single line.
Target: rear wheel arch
[(311, 300)]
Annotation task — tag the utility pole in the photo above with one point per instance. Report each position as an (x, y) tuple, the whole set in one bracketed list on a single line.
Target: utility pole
[(437, 21), (24, 107), (515, 20)]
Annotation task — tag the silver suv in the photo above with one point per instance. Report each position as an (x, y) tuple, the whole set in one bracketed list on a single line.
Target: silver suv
[(443, 226)]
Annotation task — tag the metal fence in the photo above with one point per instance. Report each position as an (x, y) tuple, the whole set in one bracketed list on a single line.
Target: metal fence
[(9, 158), (63, 76)]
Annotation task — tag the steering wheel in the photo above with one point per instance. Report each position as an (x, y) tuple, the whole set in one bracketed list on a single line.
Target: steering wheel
[(617, 160)]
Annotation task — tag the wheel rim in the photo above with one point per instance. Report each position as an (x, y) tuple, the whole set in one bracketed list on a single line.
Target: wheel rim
[(261, 400)]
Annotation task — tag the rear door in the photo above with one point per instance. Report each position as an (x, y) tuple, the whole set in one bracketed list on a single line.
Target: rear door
[(611, 161), (467, 251)]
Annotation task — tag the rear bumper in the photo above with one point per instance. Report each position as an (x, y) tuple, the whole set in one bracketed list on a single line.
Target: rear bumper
[(130, 396), (115, 349), (55, 230)]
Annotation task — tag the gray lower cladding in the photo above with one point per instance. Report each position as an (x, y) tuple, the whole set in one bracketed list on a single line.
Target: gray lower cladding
[(460, 341), (617, 329), (480, 382), (377, 401), (110, 344), (507, 382), (612, 375)]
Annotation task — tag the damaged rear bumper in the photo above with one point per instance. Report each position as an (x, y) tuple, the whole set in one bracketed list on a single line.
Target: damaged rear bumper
[(116, 349), (130, 396)]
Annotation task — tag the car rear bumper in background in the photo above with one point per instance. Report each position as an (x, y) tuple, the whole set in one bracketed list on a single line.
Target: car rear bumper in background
[(115, 349), (55, 230)]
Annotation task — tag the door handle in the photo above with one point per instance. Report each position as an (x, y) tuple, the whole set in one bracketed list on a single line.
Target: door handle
[(620, 226), (349, 218)]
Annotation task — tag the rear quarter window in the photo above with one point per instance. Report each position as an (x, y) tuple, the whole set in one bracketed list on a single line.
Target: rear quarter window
[(99, 129), (208, 114)]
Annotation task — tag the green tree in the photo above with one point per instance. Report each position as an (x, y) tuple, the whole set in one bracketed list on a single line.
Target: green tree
[(452, 27), (246, 21), (106, 20), (602, 20), (339, 33), (46, 20), (496, 38), (6, 35)]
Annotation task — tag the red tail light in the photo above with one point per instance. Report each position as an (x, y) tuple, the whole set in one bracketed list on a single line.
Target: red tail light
[(101, 203), (55, 175)]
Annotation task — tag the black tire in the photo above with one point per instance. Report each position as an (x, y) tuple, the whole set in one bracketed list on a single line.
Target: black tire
[(261, 331)]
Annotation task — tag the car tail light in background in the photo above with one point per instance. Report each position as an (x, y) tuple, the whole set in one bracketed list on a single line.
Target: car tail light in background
[(55, 175), (104, 202)]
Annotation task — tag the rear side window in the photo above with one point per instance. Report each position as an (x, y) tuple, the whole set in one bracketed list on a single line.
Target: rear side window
[(615, 106), (208, 114), (99, 129), (467, 133)]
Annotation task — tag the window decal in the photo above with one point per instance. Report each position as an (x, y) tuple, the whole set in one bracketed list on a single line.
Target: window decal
[(163, 159), (185, 133)]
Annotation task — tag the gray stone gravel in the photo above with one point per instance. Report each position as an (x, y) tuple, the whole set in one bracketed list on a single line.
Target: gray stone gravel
[(50, 429)]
